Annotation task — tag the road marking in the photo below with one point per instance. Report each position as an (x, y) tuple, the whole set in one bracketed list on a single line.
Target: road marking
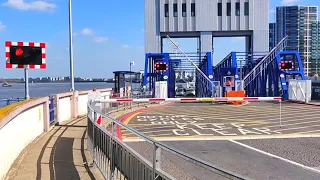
[(278, 157), (292, 124), (127, 120), (298, 128), (217, 138), (305, 132)]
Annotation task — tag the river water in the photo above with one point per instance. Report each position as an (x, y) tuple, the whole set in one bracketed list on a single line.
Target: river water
[(46, 89)]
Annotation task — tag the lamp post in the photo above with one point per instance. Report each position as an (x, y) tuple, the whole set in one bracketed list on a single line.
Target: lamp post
[(131, 64), (71, 47)]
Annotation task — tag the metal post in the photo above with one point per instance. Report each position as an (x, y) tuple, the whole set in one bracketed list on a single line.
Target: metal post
[(93, 138), (26, 83), (130, 80), (280, 114), (71, 47), (154, 161)]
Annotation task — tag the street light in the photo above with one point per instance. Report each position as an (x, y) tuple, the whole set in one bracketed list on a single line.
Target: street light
[(71, 48), (131, 64)]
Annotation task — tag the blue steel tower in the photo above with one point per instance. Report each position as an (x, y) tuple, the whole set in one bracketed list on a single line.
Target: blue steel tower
[(295, 21)]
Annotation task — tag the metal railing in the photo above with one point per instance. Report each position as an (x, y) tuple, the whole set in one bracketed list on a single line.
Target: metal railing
[(116, 160), (265, 62), (8, 101)]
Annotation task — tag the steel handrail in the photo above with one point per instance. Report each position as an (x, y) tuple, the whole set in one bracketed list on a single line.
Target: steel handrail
[(222, 61), (181, 154), (265, 57)]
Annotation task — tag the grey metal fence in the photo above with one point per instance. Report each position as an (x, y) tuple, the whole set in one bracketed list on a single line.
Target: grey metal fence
[(117, 160)]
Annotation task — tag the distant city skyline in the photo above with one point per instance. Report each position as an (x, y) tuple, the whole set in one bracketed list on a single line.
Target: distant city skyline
[(300, 24), (106, 39)]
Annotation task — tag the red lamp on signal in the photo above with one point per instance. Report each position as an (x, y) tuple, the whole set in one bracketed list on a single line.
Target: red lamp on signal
[(19, 52)]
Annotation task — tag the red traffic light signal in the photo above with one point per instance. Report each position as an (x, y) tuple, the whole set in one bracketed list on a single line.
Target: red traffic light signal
[(19, 52)]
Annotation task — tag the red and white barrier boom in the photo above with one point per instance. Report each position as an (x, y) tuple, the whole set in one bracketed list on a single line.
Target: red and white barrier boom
[(226, 99)]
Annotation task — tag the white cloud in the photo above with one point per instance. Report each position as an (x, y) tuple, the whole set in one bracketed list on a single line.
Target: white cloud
[(2, 26), (38, 5), (288, 2), (86, 32), (272, 11), (100, 39), (125, 46)]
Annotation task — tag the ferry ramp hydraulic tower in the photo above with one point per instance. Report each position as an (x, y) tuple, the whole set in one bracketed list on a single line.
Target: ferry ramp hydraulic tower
[(183, 77), (260, 74)]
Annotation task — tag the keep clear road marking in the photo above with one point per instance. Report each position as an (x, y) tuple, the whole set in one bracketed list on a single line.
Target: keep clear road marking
[(278, 157)]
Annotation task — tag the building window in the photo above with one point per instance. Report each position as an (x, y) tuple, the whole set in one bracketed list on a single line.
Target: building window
[(219, 9), (237, 9), (246, 8), (175, 10), (184, 10), (193, 9), (166, 10), (228, 9)]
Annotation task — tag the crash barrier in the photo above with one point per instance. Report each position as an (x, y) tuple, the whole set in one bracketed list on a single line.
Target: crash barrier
[(236, 94), (116, 159)]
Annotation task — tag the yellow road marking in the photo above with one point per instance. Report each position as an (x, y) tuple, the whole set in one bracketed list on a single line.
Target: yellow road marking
[(305, 132), (292, 123), (130, 117), (148, 132), (299, 128)]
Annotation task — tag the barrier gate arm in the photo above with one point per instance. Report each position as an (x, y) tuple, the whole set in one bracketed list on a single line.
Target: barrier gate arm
[(209, 99)]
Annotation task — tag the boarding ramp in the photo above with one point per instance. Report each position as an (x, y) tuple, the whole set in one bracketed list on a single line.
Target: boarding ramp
[(255, 81), (202, 71), (235, 66)]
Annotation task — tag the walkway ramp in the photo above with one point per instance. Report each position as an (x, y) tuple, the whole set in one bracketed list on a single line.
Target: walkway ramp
[(59, 154)]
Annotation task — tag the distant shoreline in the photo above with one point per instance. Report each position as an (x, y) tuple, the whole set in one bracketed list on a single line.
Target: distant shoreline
[(62, 82)]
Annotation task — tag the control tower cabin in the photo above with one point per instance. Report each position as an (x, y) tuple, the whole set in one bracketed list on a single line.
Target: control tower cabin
[(205, 19)]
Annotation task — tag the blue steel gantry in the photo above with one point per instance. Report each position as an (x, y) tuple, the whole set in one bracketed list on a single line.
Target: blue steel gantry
[(179, 68), (260, 74)]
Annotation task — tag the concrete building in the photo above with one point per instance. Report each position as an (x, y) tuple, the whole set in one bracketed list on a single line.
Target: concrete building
[(315, 48), (205, 19), (272, 36), (295, 21)]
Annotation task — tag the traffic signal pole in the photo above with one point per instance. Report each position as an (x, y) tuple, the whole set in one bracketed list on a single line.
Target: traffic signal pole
[(26, 83)]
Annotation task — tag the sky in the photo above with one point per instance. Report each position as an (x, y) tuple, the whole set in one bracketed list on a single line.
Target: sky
[(108, 35)]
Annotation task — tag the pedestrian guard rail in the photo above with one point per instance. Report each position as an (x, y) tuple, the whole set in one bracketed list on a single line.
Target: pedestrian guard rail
[(116, 159)]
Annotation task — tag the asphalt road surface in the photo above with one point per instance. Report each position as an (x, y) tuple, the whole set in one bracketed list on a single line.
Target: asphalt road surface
[(251, 140)]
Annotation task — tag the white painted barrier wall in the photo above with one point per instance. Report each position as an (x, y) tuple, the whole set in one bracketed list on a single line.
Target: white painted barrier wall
[(300, 90), (82, 104), (64, 109), (19, 132), (27, 121)]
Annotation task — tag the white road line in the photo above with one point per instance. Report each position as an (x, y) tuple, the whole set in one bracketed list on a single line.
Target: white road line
[(278, 157)]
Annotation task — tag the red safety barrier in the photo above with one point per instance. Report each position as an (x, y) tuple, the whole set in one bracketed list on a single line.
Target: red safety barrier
[(209, 99)]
